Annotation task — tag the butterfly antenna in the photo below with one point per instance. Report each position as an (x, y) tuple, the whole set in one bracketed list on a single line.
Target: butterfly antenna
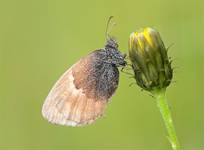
[(109, 27)]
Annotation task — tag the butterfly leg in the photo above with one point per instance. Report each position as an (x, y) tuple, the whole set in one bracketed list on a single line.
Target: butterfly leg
[(127, 70)]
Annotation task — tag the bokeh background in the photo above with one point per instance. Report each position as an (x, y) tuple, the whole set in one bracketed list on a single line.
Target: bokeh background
[(40, 39)]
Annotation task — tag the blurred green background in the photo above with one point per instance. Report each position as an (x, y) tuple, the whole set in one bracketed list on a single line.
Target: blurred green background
[(40, 39)]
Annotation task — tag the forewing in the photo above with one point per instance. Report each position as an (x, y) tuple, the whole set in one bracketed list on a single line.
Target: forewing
[(80, 96)]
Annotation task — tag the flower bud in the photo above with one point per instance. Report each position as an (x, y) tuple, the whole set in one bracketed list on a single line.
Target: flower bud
[(150, 62)]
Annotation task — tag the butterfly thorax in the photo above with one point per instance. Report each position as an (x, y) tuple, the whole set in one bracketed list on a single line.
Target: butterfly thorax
[(113, 55)]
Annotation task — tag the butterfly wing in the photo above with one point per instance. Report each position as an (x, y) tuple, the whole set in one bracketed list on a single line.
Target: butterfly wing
[(80, 96)]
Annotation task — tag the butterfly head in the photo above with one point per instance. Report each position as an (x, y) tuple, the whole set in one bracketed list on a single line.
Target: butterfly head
[(111, 43)]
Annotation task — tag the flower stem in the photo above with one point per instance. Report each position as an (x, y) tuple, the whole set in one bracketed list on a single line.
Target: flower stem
[(166, 115)]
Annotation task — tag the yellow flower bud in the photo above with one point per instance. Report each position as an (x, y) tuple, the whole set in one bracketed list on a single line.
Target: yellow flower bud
[(150, 62)]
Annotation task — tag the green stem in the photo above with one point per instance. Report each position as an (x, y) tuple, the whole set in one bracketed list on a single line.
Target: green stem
[(166, 115)]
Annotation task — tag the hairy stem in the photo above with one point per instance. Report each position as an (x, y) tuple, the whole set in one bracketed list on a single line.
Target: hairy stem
[(167, 118)]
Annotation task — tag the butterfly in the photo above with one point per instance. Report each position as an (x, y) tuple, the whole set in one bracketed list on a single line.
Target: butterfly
[(81, 94)]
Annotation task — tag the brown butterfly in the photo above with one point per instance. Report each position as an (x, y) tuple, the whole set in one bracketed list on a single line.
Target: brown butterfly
[(81, 94)]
